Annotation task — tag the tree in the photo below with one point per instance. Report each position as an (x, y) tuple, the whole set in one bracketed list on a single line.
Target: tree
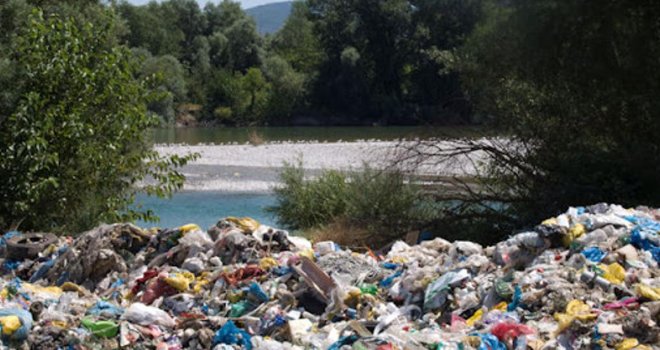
[(573, 86), (287, 88), (169, 82), (296, 42), (75, 145)]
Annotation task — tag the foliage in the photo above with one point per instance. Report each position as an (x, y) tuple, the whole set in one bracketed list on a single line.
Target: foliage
[(573, 85), (169, 82), (356, 199), (75, 142), (380, 55), (365, 61), (287, 88)]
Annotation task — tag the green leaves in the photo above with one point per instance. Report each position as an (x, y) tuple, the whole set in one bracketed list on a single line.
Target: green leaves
[(77, 148)]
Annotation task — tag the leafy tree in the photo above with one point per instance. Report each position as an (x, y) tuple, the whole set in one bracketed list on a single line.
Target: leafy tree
[(296, 41), (287, 88), (149, 29), (169, 81), (254, 96), (75, 144), (243, 45), (221, 16), (573, 86)]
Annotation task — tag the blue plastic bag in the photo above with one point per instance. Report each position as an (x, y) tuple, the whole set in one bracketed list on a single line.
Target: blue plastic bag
[(258, 292), (386, 282), (594, 254), (490, 342), (42, 270), (6, 236), (344, 341), (26, 322), (517, 296), (232, 335), (105, 308)]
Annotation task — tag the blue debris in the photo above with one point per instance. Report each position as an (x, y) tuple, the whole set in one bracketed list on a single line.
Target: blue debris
[(255, 290), (232, 335), (105, 308), (594, 254)]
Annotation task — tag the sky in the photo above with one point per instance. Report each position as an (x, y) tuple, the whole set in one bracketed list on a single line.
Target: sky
[(244, 3)]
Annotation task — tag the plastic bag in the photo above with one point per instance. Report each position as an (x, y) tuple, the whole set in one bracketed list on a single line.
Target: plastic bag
[(648, 292), (594, 254), (476, 316), (180, 280), (505, 331), (230, 334), (575, 310), (10, 324), (105, 329), (246, 224), (614, 273), (256, 291), (147, 315), (436, 292), (104, 308), (574, 232), (490, 342), (21, 332), (189, 227)]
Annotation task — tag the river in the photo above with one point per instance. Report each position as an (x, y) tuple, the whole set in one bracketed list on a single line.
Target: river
[(234, 179)]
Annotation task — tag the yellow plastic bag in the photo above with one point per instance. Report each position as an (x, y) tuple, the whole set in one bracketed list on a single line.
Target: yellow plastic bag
[(201, 282), (10, 324), (268, 263), (574, 232), (52, 291), (308, 253), (549, 222), (627, 344), (575, 310), (189, 227), (648, 292), (501, 306), (476, 316), (247, 225), (614, 273), (180, 280)]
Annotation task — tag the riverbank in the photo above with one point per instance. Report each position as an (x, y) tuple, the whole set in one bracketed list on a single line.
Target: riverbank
[(247, 168)]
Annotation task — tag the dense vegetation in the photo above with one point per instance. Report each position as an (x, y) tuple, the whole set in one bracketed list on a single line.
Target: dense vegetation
[(337, 201), (73, 122), (357, 62), (572, 84)]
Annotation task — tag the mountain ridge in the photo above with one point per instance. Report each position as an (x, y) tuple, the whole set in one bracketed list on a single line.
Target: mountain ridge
[(270, 17)]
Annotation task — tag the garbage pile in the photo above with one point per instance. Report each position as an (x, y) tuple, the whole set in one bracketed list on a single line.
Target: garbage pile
[(588, 278)]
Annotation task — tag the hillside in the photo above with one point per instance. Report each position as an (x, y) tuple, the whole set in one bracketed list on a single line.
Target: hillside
[(270, 17)]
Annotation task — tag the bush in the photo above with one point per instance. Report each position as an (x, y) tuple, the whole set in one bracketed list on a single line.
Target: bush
[(377, 202), (75, 145)]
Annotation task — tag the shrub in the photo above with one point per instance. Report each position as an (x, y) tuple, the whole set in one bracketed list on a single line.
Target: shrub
[(379, 203), (75, 145)]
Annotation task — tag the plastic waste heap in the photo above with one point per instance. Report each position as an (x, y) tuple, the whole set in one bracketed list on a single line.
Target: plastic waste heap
[(586, 279)]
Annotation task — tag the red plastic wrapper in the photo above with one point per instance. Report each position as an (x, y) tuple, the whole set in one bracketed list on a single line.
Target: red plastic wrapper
[(243, 274), (509, 330)]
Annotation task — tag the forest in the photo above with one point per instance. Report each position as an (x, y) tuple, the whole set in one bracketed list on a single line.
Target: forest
[(333, 62)]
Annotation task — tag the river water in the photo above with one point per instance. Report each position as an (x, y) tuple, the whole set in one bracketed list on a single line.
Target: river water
[(205, 207)]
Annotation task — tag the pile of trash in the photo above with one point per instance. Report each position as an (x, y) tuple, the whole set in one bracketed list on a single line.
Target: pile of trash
[(588, 278)]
